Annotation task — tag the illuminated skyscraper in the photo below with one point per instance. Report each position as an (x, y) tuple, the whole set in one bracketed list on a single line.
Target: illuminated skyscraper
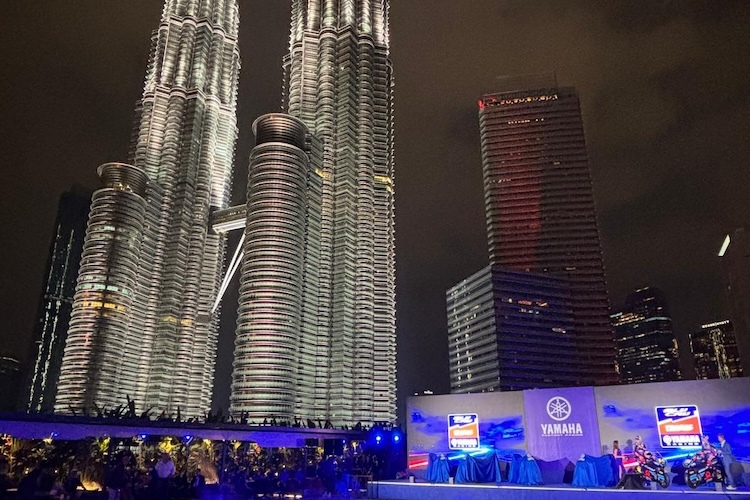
[(51, 327), (142, 324), (540, 208), (538, 316), (714, 349), (735, 260), (646, 345), (510, 330), (338, 83), (10, 382)]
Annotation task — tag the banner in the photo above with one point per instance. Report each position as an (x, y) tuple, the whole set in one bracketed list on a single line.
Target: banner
[(463, 431), (679, 426), (561, 423)]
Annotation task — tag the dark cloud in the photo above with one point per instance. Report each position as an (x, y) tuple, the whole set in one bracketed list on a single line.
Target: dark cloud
[(663, 91)]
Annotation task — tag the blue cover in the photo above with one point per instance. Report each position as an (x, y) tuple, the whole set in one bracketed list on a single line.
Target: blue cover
[(606, 466), (525, 470), (438, 470), (584, 475), (482, 469), (466, 472), (594, 471)]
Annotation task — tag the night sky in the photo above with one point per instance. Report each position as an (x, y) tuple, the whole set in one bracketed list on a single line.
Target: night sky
[(666, 107)]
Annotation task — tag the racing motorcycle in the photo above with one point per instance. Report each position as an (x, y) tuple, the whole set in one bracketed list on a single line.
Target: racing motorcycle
[(653, 468), (702, 468)]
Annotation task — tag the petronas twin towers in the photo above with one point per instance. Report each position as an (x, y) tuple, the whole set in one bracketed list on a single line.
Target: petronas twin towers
[(316, 324)]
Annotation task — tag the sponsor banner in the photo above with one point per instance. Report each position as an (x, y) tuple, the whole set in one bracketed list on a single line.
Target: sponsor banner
[(679, 426), (561, 423), (463, 431)]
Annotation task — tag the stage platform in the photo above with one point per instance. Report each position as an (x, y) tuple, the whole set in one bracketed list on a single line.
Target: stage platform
[(404, 490)]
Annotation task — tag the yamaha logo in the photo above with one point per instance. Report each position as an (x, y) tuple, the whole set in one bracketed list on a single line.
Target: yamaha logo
[(558, 408)]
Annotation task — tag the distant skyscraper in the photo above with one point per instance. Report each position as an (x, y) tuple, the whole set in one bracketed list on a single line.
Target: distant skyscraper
[(715, 351), (338, 82), (541, 217), (510, 330), (143, 324), (10, 382), (735, 259), (51, 327), (646, 345)]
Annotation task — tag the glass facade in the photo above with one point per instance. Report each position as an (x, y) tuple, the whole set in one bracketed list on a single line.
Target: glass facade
[(56, 303), (510, 330), (646, 346), (142, 324), (735, 261), (715, 352), (541, 220)]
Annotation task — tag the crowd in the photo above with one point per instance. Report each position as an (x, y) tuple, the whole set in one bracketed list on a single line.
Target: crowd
[(249, 475)]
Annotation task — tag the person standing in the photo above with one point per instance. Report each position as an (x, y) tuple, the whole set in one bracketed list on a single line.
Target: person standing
[(119, 480), (727, 458), (617, 453), (165, 471)]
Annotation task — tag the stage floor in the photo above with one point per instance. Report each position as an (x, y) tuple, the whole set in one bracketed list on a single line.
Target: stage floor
[(404, 490)]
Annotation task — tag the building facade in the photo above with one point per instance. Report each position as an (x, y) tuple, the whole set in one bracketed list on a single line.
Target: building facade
[(10, 383), (338, 83), (541, 220), (510, 330), (142, 325), (735, 260), (646, 345), (715, 353), (51, 328)]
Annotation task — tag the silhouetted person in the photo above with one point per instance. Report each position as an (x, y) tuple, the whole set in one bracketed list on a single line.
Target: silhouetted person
[(38, 483), (71, 485), (119, 480)]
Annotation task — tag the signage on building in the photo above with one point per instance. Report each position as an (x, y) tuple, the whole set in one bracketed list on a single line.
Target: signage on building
[(561, 423), (463, 431), (679, 426)]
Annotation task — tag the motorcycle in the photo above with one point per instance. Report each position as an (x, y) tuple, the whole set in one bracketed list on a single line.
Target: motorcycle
[(703, 468), (653, 468)]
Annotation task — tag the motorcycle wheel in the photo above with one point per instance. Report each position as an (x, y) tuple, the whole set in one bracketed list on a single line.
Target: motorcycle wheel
[(690, 482), (664, 481)]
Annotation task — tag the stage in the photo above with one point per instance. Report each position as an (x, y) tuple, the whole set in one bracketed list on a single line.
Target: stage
[(404, 490)]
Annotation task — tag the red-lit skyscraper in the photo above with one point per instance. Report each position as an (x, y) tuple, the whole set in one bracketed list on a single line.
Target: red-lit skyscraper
[(540, 208)]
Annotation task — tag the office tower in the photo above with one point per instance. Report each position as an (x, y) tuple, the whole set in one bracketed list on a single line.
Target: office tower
[(338, 82), (735, 260), (541, 217), (143, 325), (510, 330), (56, 302), (715, 352), (10, 382), (646, 346), (279, 284)]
